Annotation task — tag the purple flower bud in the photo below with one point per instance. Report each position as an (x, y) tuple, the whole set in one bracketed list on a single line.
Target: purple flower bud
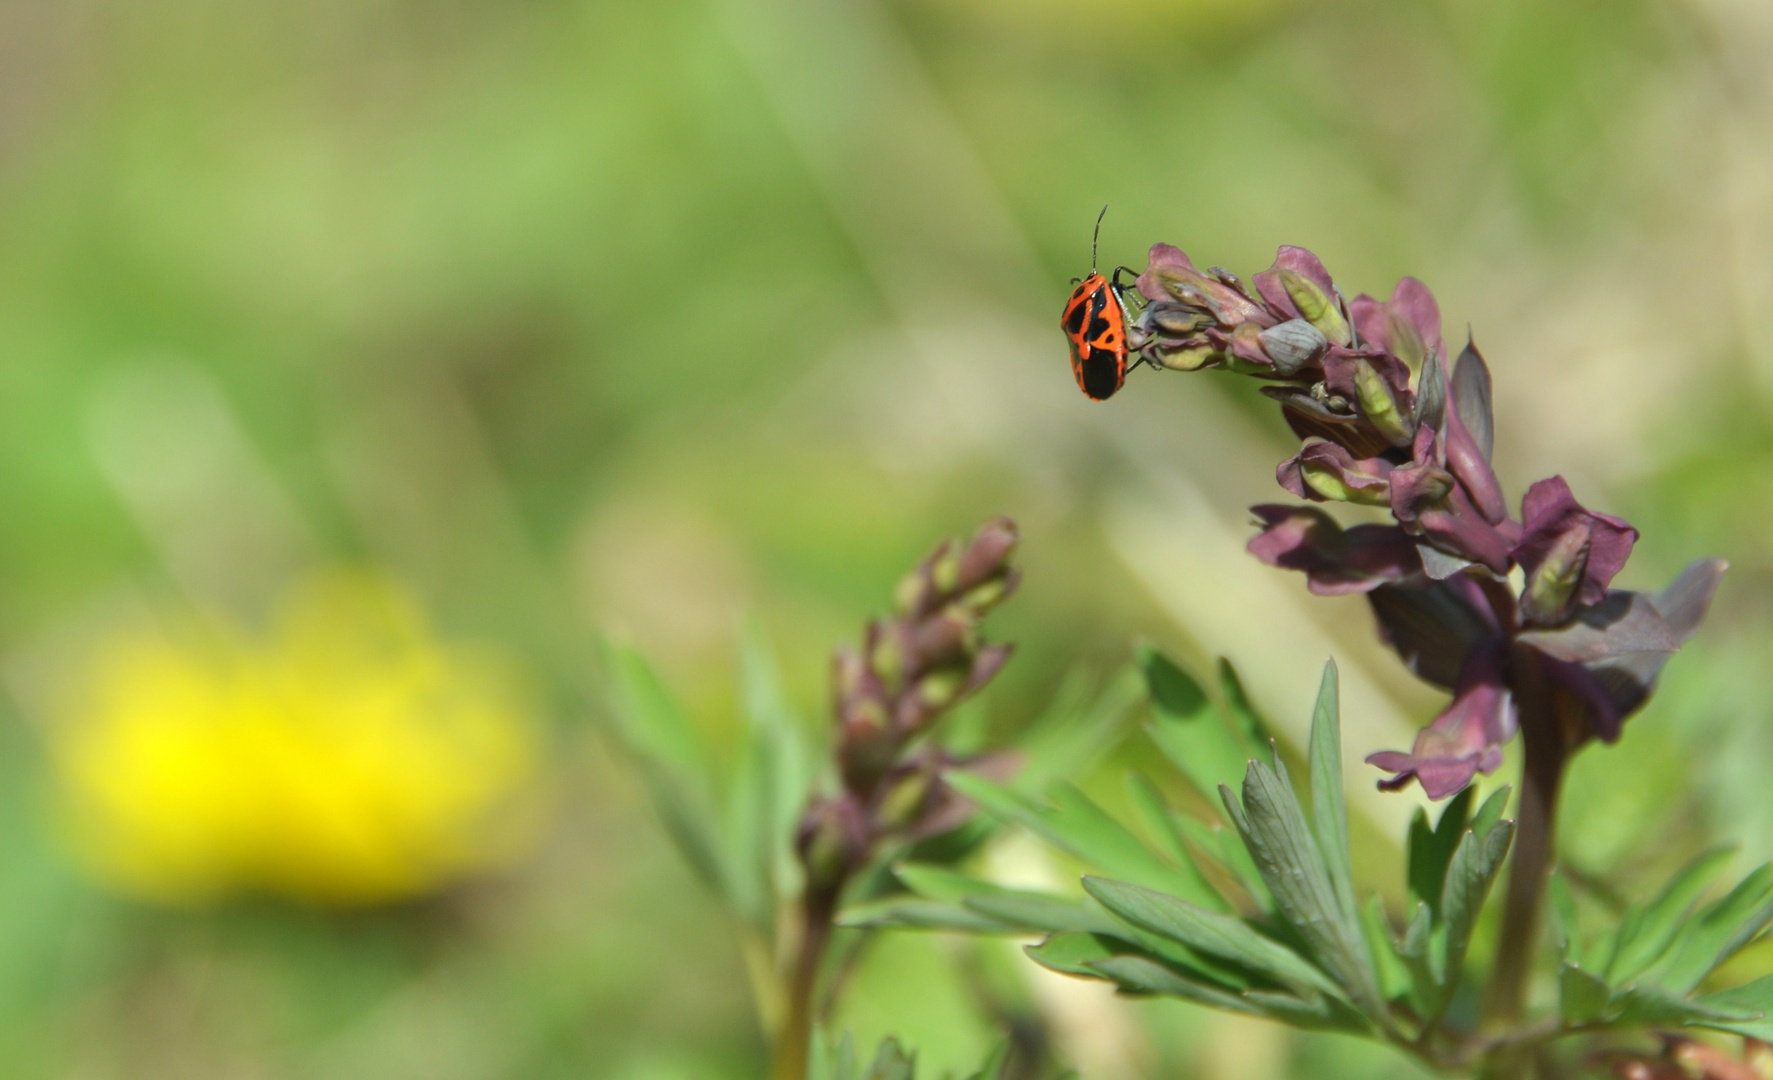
[(1325, 472), (988, 553), (1293, 345), (1380, 405), (1549, 515), (1298, 286), (832, 839), (1170, 275), (1408, 326), (1245, 343), (1335, 560)]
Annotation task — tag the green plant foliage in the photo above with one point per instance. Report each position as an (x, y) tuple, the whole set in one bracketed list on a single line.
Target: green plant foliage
[(837, 1060)]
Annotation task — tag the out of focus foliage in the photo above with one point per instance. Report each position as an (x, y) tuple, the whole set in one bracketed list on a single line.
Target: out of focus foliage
[(581, 315)]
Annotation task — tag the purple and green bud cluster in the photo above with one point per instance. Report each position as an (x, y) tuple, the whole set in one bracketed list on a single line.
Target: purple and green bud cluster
[(1513, 615), (911, 669)]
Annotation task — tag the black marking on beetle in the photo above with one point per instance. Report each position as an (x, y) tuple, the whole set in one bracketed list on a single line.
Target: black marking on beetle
[(1075, 320), (1101, 374)]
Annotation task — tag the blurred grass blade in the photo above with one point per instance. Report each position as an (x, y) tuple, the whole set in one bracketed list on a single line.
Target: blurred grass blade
[(1079, 827), (1720, 930), (1254, 729), (1644, 939), (995, 1063), (1078, 730), (671, 758), (1188, 729)]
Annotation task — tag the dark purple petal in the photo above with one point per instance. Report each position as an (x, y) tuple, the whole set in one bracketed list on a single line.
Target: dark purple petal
[(1300, 261), (1469, 393), (1630, 678), (1430, 503), (1623, 624), (1464, 740), (1548, 510), (1434, 625), (1471, 465), (1340, 366), (1335, 560), (1325, 472), (1589, 694), (1408, 325)]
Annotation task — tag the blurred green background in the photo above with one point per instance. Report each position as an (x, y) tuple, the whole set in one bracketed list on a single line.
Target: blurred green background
[(575, 317)]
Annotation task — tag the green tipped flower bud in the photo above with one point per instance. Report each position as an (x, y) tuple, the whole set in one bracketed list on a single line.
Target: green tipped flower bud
[(1319, 308), (1380, 405), (903, 798), (1329, 484), (1550, 593), (942, 687), (1191, 358), (887, 658), (945, 570), (1292, 345)]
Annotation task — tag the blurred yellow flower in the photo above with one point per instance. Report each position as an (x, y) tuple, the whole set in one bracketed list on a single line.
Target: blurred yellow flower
[(347, 758)]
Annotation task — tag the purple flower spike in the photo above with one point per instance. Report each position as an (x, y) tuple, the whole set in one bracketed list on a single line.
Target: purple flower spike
[(1464, 740), (1336, 561), (1171, 275), (1569, 554)]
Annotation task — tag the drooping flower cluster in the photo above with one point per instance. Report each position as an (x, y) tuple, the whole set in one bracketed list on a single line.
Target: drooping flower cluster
[(1487, 605), (912, 668)]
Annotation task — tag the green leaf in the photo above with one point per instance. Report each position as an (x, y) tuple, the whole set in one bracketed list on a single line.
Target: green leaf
[(1273, 827), (832, 1061), (1582, 995), (1432, 849), (1395, 980), (1490, 813), (891, 1062), (1645, 936), (1138, 975), (958, 898), (1752, 1006), (1566, 921), (916, 913), (1646, 1007), (995, 1063), (1210, 933), (1162, 822), (1186, 727), (1470, 874), (1072, 954), (1038, 911), (1417, 952), (1248, 722), (1329, 809), (1078, 826), (1720, 930), (1226, 848)]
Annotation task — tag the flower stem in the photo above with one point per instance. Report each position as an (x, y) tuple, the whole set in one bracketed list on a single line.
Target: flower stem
[(819, 912), (1535, 841)]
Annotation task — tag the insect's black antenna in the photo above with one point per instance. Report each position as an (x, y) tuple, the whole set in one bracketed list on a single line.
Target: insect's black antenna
[(1096, 237)]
